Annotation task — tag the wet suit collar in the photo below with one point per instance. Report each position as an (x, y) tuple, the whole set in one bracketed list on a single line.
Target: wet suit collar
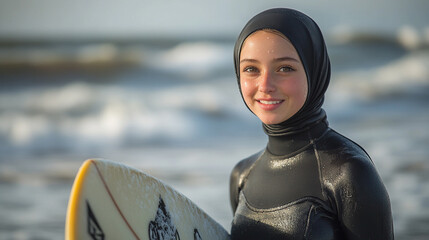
[(288, 145)]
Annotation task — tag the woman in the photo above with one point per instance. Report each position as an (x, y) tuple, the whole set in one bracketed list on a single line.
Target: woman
[(310, 182)]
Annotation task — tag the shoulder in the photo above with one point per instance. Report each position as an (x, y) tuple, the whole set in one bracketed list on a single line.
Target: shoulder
[(238, 176), (336, 143), (349, 172), (344, 160), (242, 168), (355, 187)]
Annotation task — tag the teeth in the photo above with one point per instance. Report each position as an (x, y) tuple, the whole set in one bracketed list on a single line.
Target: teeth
[(269, 102)]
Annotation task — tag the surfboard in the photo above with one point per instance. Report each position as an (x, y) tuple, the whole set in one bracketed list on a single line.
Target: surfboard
[(109, 200)]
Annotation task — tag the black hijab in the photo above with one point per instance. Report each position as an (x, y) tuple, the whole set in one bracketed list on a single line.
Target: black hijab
[(308, 41)]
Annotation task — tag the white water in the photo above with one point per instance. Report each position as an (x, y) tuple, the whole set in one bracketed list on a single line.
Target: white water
[(186, 124), (178, 115)]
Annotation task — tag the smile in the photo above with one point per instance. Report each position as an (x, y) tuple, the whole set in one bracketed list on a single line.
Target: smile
[(269, 102), (269, 105)]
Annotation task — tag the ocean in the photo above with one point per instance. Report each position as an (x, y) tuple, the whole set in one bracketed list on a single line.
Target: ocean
[(171, 107)]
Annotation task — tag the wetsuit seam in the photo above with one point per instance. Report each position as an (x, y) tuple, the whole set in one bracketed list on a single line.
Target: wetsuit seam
[(294, 153), (247, 173), (316, 154), (273, 209), (307, 228), (359, 146), (333, 208)]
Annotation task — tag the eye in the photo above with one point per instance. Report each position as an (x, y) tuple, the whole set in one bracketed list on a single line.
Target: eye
[(286, 69), (250, 69)]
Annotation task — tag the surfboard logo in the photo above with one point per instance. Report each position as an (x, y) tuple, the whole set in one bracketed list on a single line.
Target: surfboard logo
[(197, 235), (94, 229), (162, 227)]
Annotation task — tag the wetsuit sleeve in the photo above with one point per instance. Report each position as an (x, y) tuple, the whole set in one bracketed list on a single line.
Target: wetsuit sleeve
[(363, 203), (234, 187), (237, 178)]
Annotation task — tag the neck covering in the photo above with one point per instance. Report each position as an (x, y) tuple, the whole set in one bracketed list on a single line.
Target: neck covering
[(308, 41)]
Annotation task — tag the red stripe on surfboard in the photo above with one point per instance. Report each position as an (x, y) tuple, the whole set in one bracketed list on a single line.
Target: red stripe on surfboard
[(114, 202)]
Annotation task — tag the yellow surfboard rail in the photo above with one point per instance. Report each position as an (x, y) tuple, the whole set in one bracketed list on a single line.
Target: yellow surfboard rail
[(73, 201), (114, 201)]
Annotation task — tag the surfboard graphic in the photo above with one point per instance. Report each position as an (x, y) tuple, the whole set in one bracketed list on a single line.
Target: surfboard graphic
[(113, 201), (94, 229)]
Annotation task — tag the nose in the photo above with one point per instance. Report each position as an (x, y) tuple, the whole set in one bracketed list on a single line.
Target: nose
[(266, 83)]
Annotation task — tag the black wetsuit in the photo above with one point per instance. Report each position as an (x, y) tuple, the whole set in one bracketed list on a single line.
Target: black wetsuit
[(310, 182), (315, 184)]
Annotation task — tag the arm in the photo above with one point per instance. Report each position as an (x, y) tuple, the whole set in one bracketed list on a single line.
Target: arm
[(234, 187), (363, 203), (237, 178)]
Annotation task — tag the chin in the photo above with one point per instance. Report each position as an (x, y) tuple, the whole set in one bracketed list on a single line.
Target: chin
[(271, 121)]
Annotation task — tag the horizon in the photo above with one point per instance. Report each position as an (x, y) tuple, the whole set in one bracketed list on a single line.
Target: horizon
[(50, 19)]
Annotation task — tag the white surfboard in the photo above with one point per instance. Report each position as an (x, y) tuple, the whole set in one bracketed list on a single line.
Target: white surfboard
[(113, 201)]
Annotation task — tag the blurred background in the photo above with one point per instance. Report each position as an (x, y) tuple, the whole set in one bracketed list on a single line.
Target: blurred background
[(151, 84)]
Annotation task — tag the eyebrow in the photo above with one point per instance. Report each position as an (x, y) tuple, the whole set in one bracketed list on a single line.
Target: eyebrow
[(275, 60)]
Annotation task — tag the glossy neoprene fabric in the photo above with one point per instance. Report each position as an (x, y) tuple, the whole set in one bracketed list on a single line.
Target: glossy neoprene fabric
[(325, 187), (310, 182)]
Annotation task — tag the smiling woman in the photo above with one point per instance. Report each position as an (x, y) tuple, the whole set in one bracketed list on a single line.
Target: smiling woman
[(310, 182), (273, 79)]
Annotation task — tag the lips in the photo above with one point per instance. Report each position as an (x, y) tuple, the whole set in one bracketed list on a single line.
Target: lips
[(269, 104)]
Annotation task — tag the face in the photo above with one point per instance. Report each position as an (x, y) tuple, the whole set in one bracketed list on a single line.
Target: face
[(272, 78)]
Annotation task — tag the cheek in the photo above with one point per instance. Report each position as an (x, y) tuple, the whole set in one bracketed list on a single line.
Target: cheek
[(301, 91), (245, 87), (247, 90), (297, 88), (304, 90)]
